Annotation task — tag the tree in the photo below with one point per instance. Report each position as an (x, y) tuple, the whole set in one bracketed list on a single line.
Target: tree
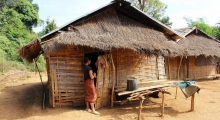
[(28, 12), (217, 31), (12, 26), (50, 25), (154, 8), (201, 23)]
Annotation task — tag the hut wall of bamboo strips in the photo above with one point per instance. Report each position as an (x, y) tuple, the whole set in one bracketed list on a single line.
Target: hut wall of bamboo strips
[(201, 72), (142, 67), (188, 69), (65, 77), (65, 81)]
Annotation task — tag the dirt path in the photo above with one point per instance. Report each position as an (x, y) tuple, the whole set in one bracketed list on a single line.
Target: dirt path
[(21, 98)]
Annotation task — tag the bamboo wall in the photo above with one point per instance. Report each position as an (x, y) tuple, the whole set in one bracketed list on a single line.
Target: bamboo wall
[(188, 70), (130, 64), (65, 81), (201, 72), (65, 77)]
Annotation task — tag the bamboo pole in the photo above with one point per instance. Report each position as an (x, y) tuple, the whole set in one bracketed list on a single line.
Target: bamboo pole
[(192, 102), (113, 82), (178, 74), (43, 107)]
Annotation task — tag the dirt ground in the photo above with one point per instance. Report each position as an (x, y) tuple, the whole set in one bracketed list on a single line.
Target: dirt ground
[(21, 98)]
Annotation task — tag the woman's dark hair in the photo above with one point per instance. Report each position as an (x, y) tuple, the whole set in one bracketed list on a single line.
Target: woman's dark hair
[(86, 59)]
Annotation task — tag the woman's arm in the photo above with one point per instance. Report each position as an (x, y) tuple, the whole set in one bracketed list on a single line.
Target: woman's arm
[(92, 76)]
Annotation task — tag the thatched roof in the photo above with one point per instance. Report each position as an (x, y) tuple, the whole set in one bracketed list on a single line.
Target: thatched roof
[(125, 8), (30, 51), (114, 30), (198, 43), (116, 25)]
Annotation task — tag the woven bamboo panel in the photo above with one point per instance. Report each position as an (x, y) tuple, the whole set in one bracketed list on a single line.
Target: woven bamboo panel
[(194, 72), (200, 72), (66, 78), (140, 66)]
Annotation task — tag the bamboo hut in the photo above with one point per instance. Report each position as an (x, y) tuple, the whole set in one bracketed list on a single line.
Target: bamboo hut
[(199, 59), (132, 42)]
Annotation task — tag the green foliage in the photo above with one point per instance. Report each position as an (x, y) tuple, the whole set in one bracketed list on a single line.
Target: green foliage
[(154, 8), (50, 25), (201, 23), (28, 12), (17, 17), (12, 26), (217, 31)]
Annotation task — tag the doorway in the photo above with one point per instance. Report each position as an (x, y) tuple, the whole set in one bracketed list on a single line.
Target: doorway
[(93, 56)]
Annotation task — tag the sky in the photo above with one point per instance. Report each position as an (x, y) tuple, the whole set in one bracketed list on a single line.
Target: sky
[(64, 11)]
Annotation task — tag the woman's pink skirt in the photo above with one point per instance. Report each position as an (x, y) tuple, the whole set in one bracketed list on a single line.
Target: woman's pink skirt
[(91, 94)]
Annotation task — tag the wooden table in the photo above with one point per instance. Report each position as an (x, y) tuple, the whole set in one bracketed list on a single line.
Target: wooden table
[(142, 93)]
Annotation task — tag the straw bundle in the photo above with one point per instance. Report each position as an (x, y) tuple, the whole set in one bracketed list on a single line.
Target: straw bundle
[(30, 51)]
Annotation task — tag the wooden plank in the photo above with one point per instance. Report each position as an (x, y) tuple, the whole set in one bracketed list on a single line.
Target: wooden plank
[(70, 74), (144, 88), (64, 104), (79, 82)]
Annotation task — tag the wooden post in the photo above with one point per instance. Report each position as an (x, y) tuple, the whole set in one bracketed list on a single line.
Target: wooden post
[(140, 107), (192, 102), (162, 105), (113, 82), (176, 93), (178, 74)]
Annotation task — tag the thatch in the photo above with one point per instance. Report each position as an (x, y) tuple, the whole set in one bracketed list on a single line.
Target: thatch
[(196, 45), (113, 30), (30, 51)]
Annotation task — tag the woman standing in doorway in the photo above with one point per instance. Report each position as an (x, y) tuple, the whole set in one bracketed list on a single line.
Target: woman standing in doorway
[(91, 94)]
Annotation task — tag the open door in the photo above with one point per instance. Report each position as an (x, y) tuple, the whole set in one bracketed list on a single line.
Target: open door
[(103, 83), (184, 69)]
